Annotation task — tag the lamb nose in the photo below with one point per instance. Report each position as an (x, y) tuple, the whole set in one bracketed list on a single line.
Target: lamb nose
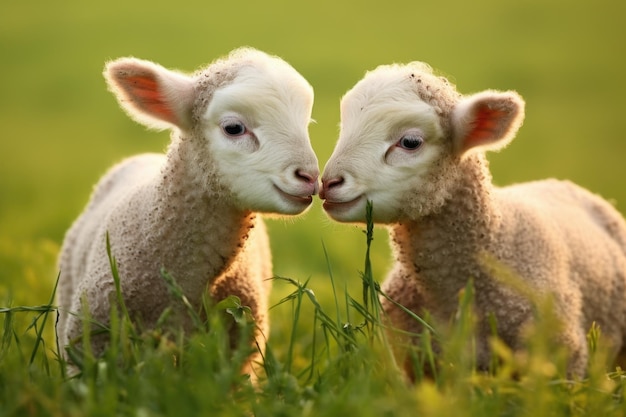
[(306, 177), (333, 182), (310, 179), (327, 184)]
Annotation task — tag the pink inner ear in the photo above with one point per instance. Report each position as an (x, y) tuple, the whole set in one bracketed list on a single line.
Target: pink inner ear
[(144, 91), (486, 127)]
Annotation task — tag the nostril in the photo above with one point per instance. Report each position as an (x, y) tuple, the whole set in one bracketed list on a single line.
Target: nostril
[(306, 177), (333, 182)]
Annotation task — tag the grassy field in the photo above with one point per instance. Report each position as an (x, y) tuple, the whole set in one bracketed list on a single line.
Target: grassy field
[(61, 130)]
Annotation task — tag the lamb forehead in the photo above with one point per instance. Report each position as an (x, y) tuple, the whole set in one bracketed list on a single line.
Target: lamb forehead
[(252, 67), (395, 84)]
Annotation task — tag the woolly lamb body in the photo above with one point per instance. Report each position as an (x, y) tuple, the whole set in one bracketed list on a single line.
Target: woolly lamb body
[(239, 146), (423, 145)]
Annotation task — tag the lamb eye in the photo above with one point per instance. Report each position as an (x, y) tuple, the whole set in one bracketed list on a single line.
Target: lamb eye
[(410, 142), (234, 128)]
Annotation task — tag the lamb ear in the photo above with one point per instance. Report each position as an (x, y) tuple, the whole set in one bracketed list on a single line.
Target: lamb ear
[(487, 120), (150, 94)]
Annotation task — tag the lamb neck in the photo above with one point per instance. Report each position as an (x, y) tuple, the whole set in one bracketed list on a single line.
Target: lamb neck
[(191, 229), (441, 248)]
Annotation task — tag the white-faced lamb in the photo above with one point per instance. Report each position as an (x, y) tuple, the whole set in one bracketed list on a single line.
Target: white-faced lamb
[(239, 146), (414, 146)]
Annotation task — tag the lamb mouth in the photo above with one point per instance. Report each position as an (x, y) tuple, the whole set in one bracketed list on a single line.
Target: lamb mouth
[(330, 205), (297, 199)]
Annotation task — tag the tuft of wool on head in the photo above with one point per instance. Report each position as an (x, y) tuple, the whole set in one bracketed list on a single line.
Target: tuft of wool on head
[(435, 90)]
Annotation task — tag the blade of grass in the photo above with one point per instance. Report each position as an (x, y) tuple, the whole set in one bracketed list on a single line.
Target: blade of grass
[(39, 338), (177, 292), (7, 332), (332, 282), (117, 282), (39, 309), (410, 313), (368, 284), (294, 297)]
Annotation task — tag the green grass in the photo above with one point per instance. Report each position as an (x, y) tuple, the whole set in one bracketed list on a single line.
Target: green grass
[(61, 130), (346, 366)]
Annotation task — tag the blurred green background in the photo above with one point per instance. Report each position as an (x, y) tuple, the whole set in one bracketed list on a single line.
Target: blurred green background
[(61, 129)]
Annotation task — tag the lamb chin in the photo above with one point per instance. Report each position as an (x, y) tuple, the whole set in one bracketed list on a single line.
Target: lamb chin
[(349, 211), (293, 204)]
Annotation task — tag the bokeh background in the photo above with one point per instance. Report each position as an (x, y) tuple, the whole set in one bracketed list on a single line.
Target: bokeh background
[(60, 129)]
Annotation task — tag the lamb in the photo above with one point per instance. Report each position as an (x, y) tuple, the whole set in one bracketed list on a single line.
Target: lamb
[(239, 146), (415, 147)]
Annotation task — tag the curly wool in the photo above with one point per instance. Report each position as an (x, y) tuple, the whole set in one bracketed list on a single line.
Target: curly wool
[(560, 239)]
